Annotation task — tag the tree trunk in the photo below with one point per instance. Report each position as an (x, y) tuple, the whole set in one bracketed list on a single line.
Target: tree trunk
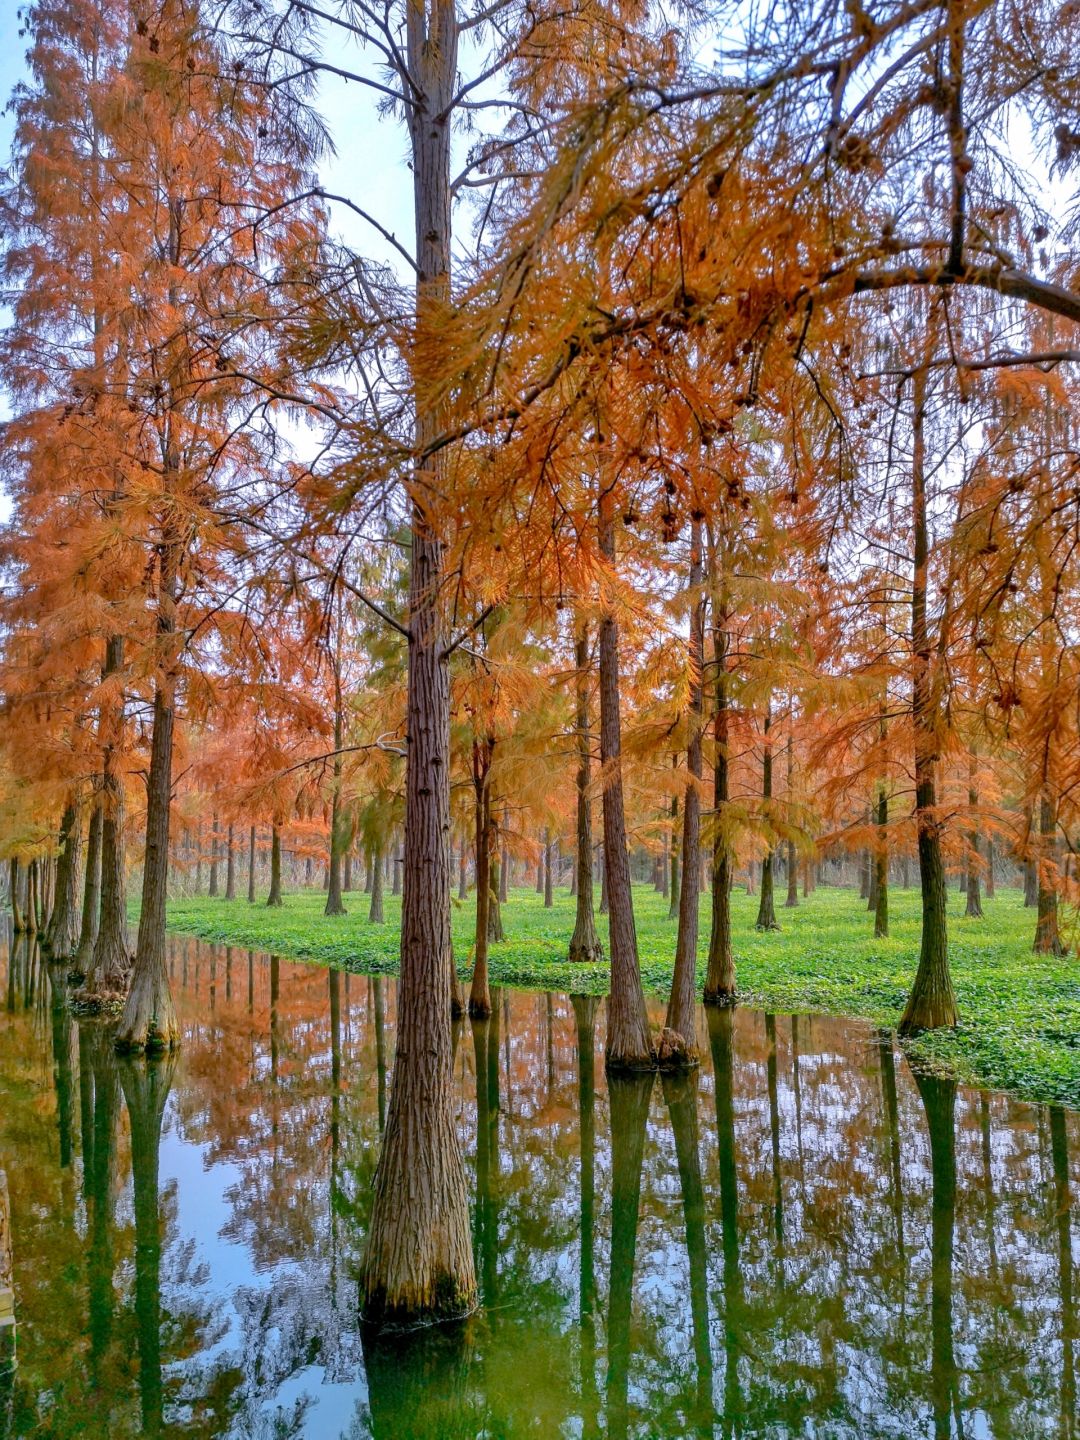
[(990, 882), (230, 867), (375, 909), (881, 864), (973, 910), (18, 922), (62, 934), (1047, 937), (720, 975), (792, 899), (504, 864), (108, 971), (273, 900), (496, 934), (549, 895), (149, 1020), (418, 1261), (585, 943), (334, 902), (251, 866), (932, 1002), (479, 994), (91, 902), (678, 1043), (628, 1044), (463, 872), (675, 883), (213, 890), (32, 909), (766, 915)]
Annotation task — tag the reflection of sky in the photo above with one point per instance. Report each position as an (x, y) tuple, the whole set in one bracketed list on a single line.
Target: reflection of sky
[(204, 1211)]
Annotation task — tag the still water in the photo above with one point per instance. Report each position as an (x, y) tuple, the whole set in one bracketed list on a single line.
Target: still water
[(799, 1240)]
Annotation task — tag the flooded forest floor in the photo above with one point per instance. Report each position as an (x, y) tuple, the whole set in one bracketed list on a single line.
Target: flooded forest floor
[(1020, 1012)]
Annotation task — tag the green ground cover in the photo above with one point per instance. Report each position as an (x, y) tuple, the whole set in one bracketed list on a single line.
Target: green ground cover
[(1020, 1013)]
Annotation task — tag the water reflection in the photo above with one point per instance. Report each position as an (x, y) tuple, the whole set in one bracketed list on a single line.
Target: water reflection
[(799, 1239)]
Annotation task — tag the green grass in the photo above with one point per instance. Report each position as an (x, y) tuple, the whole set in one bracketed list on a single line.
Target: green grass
[(1020, 1013)]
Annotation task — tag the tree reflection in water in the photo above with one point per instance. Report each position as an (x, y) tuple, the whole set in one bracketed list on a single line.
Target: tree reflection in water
[(187, 1233)]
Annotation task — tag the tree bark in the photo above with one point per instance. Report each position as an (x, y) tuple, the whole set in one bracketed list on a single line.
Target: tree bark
[(881, 865), (376, 914), (479, 995), (496, 934), (1048, 939), (213, 889), (32, 910), (675, 882), (334, 903), (932, 1002), (273, 900), (149, 1020), (792, 899), (62, 933), (504, 863), (251, 866), (549, 888), (585, 943), (766, 916), (678, 1043), (18, 923), (230, 867), (973, 909), (628, 1044), (720, 975), (108, 971), (418, 1261), (91, 903)]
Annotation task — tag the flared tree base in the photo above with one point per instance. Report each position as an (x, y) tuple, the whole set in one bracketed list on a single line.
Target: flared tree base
[(629, 1063), (479, 1007), (148, 1024), (1049, 945), (722, 994), (586, 950), (418, 1264), (930, 1009), (674, 1053)]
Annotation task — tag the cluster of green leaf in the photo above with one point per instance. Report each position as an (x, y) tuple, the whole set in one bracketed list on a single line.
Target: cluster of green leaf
[(1020, 1013)]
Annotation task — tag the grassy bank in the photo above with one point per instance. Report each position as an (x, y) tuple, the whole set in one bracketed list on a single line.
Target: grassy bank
[(1020, 1013)]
